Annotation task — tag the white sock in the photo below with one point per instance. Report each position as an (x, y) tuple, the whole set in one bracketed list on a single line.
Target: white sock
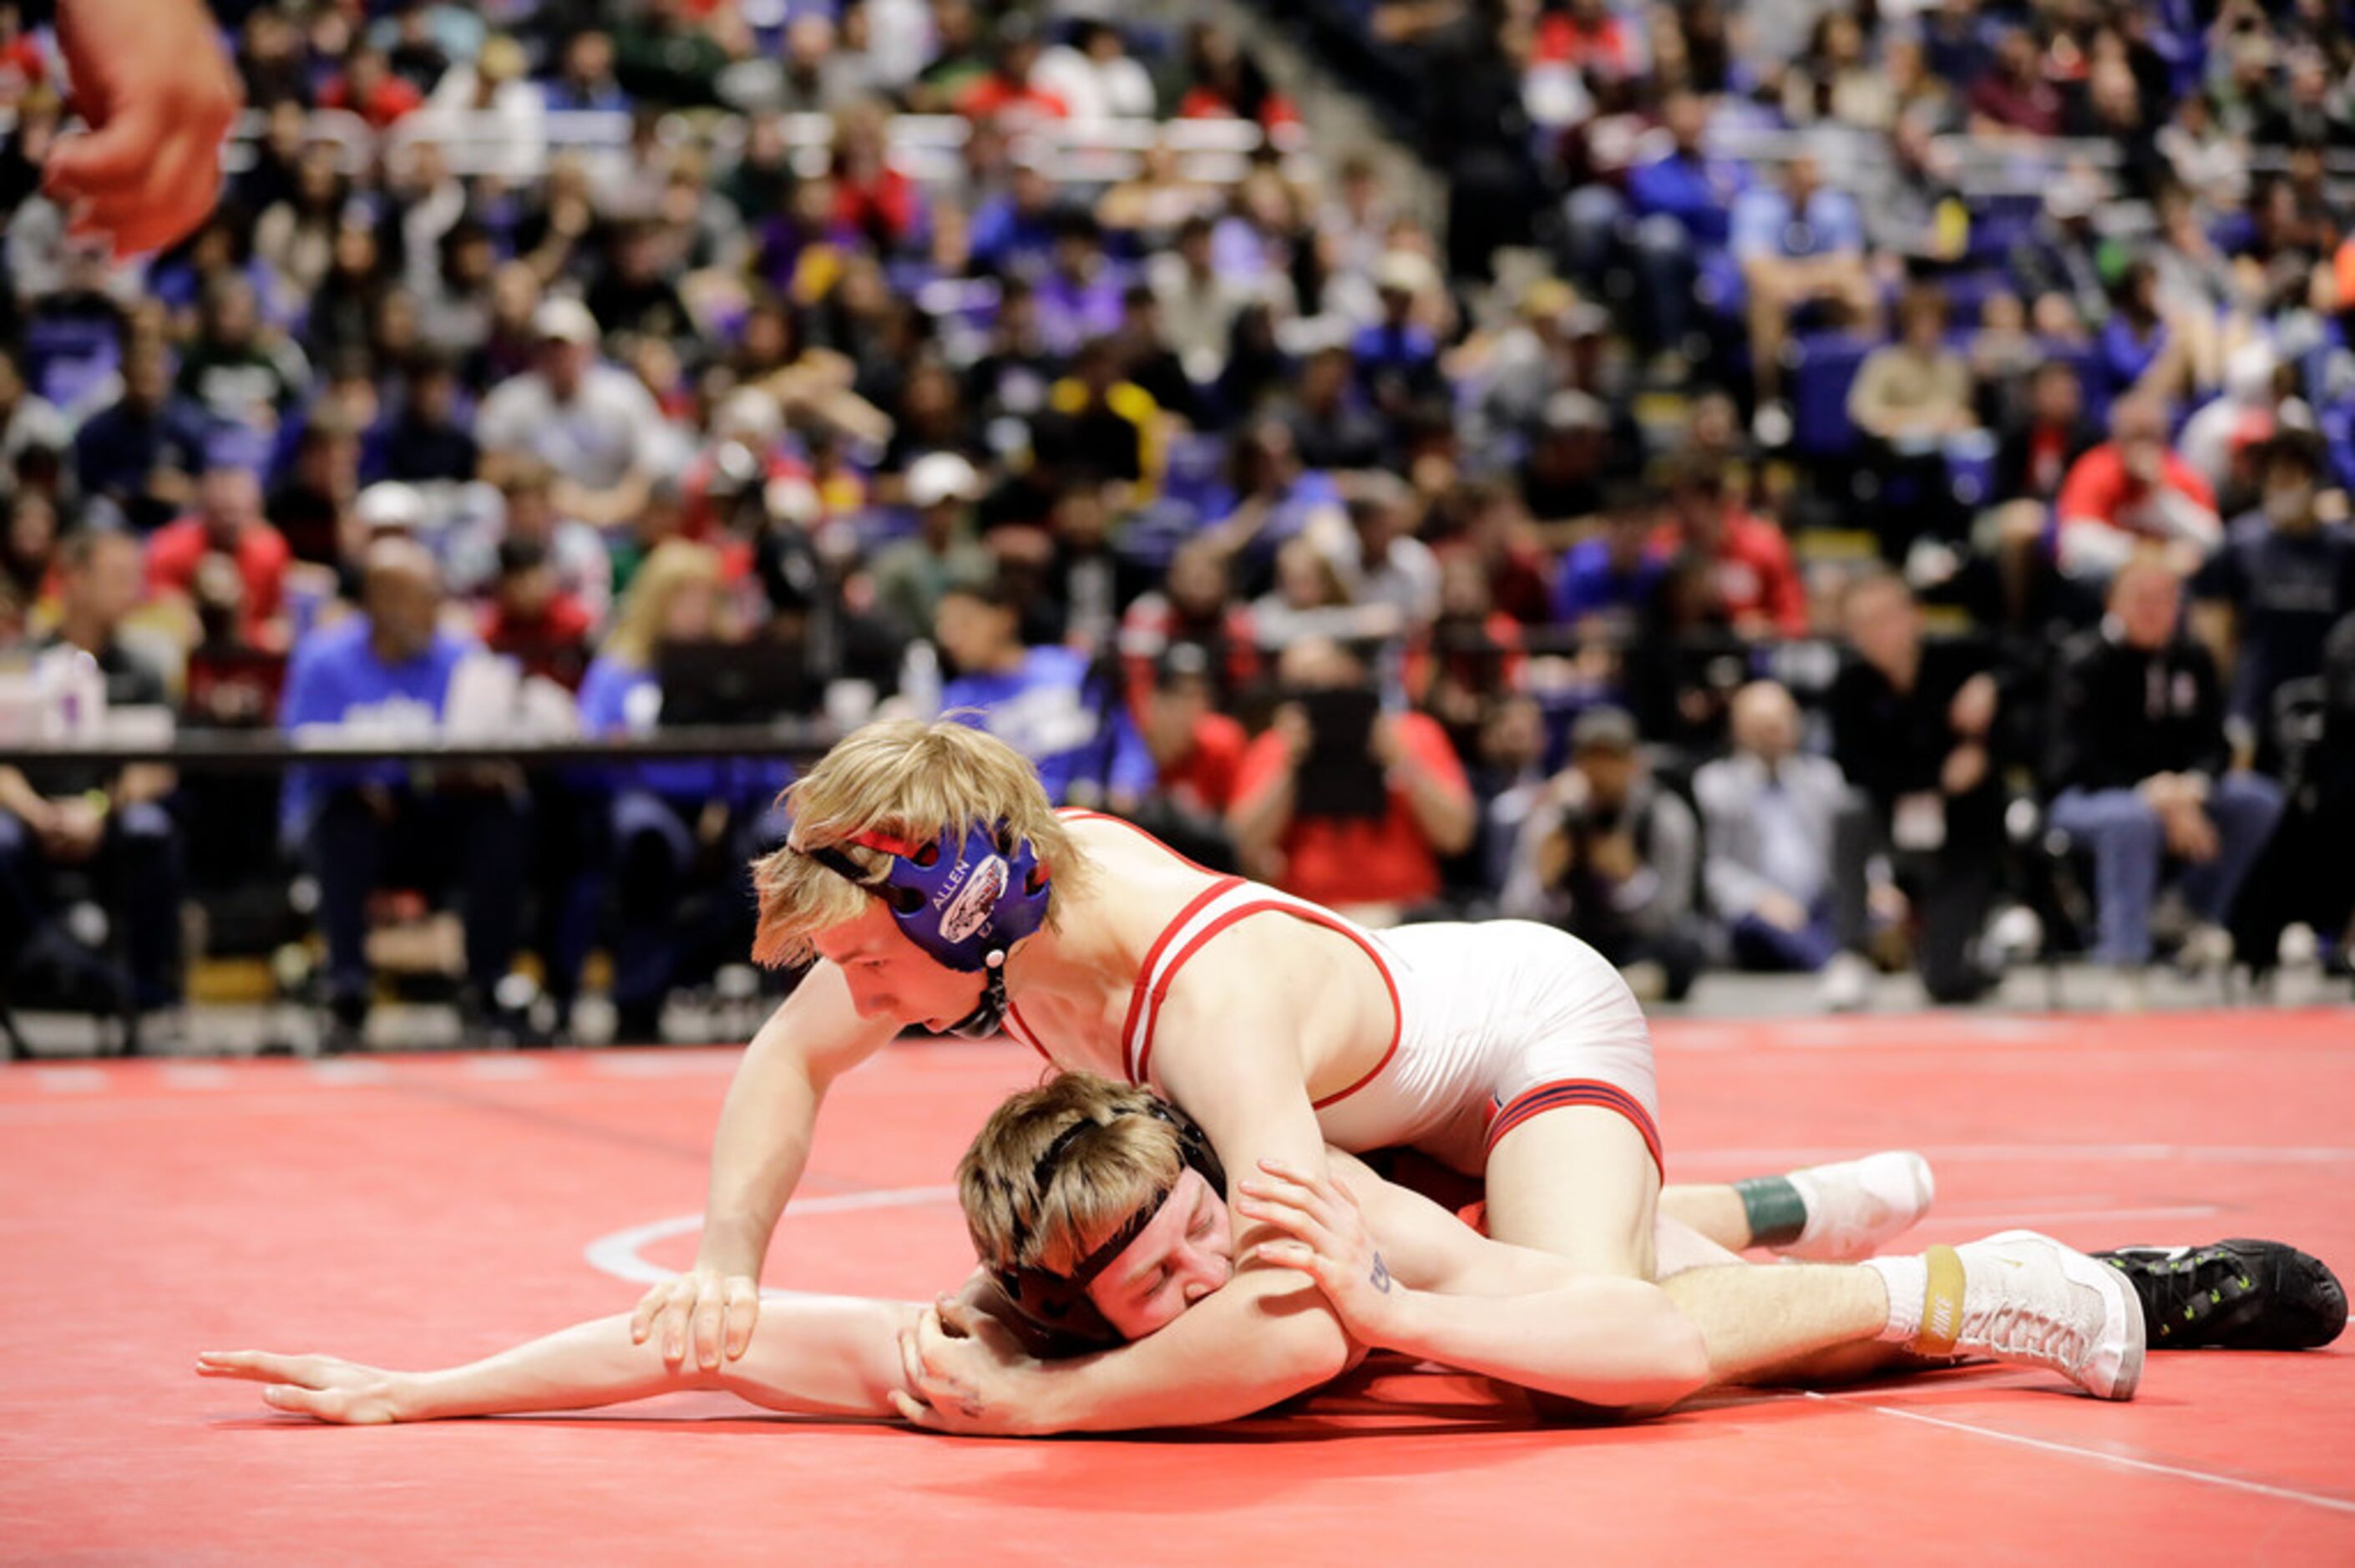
[(1814, 1201), (1908, 1283)]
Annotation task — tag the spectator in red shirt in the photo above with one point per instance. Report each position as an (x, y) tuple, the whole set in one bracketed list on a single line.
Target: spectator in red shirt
[(1494, 529), (1346, 805), (870, 197), (2013, 96), (530, 617), (1199, 753), (1588, 38), (21, 64), (1228, 84), (1006, 93), (228, 523), (1192, 606), (1198, 750), (2134, 492), (370, 88), (1756, 580)]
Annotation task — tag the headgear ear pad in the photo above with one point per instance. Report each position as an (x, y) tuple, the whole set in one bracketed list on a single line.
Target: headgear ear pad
[(972, 893), (1058, 1304)]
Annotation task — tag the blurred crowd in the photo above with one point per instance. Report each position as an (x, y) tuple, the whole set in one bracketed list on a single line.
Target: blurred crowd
[(1846, 486)]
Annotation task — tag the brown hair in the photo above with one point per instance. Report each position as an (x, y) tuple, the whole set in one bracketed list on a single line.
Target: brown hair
[(909, 780), (1096, 1185)]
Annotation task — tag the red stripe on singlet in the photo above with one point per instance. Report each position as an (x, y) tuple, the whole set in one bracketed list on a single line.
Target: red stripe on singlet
[(1023, 1031), (1153, 956), (1567, 1092), (1315, 918)]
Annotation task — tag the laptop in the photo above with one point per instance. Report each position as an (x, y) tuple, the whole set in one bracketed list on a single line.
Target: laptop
[(751, 683)]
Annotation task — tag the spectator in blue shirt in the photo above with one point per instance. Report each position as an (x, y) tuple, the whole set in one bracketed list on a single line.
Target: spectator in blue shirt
[(1683, 203), (139, 451), (1798, 246), (587, 79), (1046, 703), (1607, 579), (388, 671), (1013, 229), (1079, 293), (1396, 358), (678, 827)]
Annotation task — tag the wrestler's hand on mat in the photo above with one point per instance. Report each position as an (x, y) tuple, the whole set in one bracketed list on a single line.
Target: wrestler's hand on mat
[(322, 1387), (966, 1372), (715, 1311), (156, 89), (1329, 1243)]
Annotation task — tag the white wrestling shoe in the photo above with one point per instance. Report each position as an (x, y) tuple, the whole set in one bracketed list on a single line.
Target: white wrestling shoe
[(1856, 1205), (2026, 1300)]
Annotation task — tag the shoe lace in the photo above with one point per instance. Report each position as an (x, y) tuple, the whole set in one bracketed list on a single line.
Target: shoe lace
[(2034, 1331), (2190, 1289)]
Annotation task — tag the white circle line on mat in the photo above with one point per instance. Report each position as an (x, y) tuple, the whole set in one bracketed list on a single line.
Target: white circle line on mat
[(621, 1253)]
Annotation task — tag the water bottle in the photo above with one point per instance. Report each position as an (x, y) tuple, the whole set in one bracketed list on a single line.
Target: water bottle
[(74, 691), (920, 680)]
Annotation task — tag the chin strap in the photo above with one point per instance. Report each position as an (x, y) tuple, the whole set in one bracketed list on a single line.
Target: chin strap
[(988, 1015)]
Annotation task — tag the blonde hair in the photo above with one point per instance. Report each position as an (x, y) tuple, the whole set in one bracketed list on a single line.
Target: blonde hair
[(909, 779), (675, 564), (1098, 1183)]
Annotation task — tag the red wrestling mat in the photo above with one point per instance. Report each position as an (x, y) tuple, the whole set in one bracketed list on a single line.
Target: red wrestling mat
[(428, 1210)]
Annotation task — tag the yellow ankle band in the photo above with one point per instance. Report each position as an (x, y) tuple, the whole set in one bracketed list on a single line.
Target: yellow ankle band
[(1941, 1304)]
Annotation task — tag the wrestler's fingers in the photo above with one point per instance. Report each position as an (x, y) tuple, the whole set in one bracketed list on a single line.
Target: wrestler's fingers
[(678, 1320), (115, 154), (1291, 1219), (255, 1366), (649, 1311), (1296, 1256), (1303, 1191), (1275, 1189), (911, 1365), (915, 1413), (178, 194), (967, 1322), (932, 1344), (319, 1403), (710, 1318), (743, 1316), (114, 212), (1319, 1182)]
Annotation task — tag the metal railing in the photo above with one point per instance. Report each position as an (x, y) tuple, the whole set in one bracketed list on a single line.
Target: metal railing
[(927, 148)]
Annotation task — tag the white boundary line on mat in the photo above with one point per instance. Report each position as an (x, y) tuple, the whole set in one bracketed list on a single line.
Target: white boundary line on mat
[(2150, 1467), (621, 1253)]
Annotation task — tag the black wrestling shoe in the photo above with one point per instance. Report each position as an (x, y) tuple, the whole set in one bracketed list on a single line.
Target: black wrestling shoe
[(2237, 1295)]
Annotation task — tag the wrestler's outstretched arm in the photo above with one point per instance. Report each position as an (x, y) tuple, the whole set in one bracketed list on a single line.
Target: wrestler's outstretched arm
[(707, 1314), (1620, 1343), (809, 1355)]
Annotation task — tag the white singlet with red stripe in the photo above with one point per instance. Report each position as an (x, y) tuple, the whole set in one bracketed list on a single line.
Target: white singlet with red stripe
[(1495, 1021)]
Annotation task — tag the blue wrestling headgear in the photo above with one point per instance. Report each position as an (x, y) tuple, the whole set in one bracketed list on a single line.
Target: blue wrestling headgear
[(966, 899), (1059, 1303)]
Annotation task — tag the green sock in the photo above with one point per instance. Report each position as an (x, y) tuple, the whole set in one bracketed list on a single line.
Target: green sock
[(1776, 1211)]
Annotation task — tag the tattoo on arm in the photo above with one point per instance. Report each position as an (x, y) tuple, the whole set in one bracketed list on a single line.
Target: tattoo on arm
[(1381, 1274)]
